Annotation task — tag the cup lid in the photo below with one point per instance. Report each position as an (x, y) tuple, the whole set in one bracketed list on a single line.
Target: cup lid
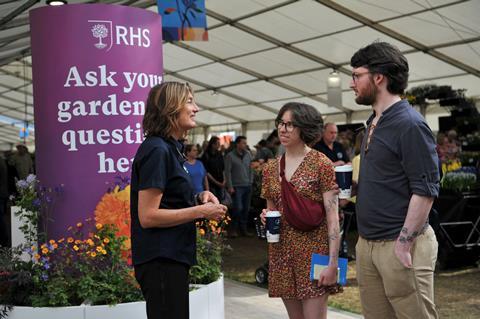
[(344, 168)]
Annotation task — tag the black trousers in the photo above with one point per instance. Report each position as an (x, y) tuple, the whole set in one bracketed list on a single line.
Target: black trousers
[(164, 285)]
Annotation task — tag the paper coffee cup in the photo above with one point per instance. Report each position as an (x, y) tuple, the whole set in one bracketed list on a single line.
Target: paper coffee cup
[(273, 226), (344, 180)]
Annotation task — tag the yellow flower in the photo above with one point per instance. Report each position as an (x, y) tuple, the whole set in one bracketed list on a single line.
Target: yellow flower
[(79, 225), (43, 246), (99, 226), (75, 247), (106, 240), (99, 249), (33, 248), (93, 254), (213, 223), (52, 241), (202, 232), (36, 256), (70, 240), (90, 242), (104, 252), (78, 241), (61, 240)]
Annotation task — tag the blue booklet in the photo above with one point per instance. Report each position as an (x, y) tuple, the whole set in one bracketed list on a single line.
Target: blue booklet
[(320, 262)]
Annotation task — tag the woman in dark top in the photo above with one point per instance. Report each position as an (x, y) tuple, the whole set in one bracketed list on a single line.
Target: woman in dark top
[(163, 203), (213, 161)]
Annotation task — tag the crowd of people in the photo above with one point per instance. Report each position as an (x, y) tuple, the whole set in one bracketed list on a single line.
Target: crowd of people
[(13, 166)]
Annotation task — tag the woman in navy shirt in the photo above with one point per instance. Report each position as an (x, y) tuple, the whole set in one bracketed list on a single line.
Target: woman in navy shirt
[(164, 205), (196, 169)]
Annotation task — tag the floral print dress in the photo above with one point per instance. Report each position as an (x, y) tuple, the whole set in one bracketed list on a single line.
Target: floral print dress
[(289, 259)]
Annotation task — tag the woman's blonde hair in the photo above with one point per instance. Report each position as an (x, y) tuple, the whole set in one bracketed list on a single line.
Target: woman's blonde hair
[(163, 106)]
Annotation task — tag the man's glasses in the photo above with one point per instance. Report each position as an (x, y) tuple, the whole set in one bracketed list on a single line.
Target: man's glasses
[(289, 126), (356, 76)]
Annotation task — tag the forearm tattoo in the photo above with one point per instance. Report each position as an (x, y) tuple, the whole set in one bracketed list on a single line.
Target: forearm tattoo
[(405, 237), (331, 203), (334, 235)]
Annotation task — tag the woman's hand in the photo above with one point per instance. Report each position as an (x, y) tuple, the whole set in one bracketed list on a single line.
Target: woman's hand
[(263, 216), (213, 211), (207, 197), (328, 276)]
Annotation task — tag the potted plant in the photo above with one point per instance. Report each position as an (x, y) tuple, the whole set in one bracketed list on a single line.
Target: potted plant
[(77, 275)]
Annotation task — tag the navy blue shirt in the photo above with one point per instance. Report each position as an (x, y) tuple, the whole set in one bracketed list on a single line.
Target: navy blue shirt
[(335, 154), (401, 160), (159, 164)]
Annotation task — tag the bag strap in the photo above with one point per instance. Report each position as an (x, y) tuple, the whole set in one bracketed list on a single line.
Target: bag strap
[(282, 166)]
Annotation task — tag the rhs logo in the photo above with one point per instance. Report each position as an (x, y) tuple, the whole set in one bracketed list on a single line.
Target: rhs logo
[(106, 35), (102, 29)]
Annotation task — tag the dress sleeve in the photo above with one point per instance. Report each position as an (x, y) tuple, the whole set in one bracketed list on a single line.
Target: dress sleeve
[(153, 170), (327, 174), (267, 176)]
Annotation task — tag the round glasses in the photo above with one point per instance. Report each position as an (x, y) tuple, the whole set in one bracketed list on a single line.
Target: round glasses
[(289, 126), (356, 76)]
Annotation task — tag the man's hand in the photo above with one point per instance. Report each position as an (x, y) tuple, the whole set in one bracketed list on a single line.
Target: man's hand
[(402, 251), (207, 197)]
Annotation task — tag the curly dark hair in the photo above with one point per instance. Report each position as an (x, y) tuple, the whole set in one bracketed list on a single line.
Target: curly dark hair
[(384, 58), (163, 105), (306, 118)]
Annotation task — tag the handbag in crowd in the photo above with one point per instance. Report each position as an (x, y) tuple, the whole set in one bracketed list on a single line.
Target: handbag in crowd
[(300, 212), (226, 198)]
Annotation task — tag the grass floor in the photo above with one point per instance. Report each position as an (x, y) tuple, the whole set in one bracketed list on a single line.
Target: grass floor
[(456, 291)]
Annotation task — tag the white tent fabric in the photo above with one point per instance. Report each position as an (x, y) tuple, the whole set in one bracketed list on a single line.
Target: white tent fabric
[(264, 53)]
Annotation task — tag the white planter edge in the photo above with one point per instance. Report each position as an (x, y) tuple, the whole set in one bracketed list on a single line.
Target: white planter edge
[(206, 302)]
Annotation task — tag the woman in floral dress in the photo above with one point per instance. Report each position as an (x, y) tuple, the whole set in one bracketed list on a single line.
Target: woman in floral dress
[(313, 176)]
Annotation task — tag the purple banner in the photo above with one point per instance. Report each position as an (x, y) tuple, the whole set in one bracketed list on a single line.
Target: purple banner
[(93, 66)]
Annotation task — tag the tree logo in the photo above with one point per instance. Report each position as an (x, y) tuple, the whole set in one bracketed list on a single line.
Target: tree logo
[(102, 32)]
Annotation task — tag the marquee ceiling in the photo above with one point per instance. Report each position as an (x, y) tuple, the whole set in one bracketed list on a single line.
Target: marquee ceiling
[(264, 53)]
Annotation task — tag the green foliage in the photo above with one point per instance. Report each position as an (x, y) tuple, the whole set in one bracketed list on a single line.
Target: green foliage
[(458, 181), (210, 245)]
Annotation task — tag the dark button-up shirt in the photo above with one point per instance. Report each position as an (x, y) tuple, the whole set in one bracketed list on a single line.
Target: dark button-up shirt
[(401, 160), (159, 164), (337, 153)]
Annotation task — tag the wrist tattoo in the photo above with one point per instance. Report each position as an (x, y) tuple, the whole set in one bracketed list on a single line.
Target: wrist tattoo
[(405, 237), (334, 235)]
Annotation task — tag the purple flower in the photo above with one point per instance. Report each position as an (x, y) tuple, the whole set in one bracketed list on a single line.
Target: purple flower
[(36, 202), (30, 178), (44, 277), (43, 260), (46, 266), (22, 184)]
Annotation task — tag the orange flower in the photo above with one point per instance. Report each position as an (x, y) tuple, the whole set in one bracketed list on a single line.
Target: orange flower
[(36, 256), (114, 208), (99, 226), (106, 240), (45, 250), (79, 225), (55, 246), (70, 240), (90, 242), (201, 231), (52, 241), (99, 249), (61, 240)]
